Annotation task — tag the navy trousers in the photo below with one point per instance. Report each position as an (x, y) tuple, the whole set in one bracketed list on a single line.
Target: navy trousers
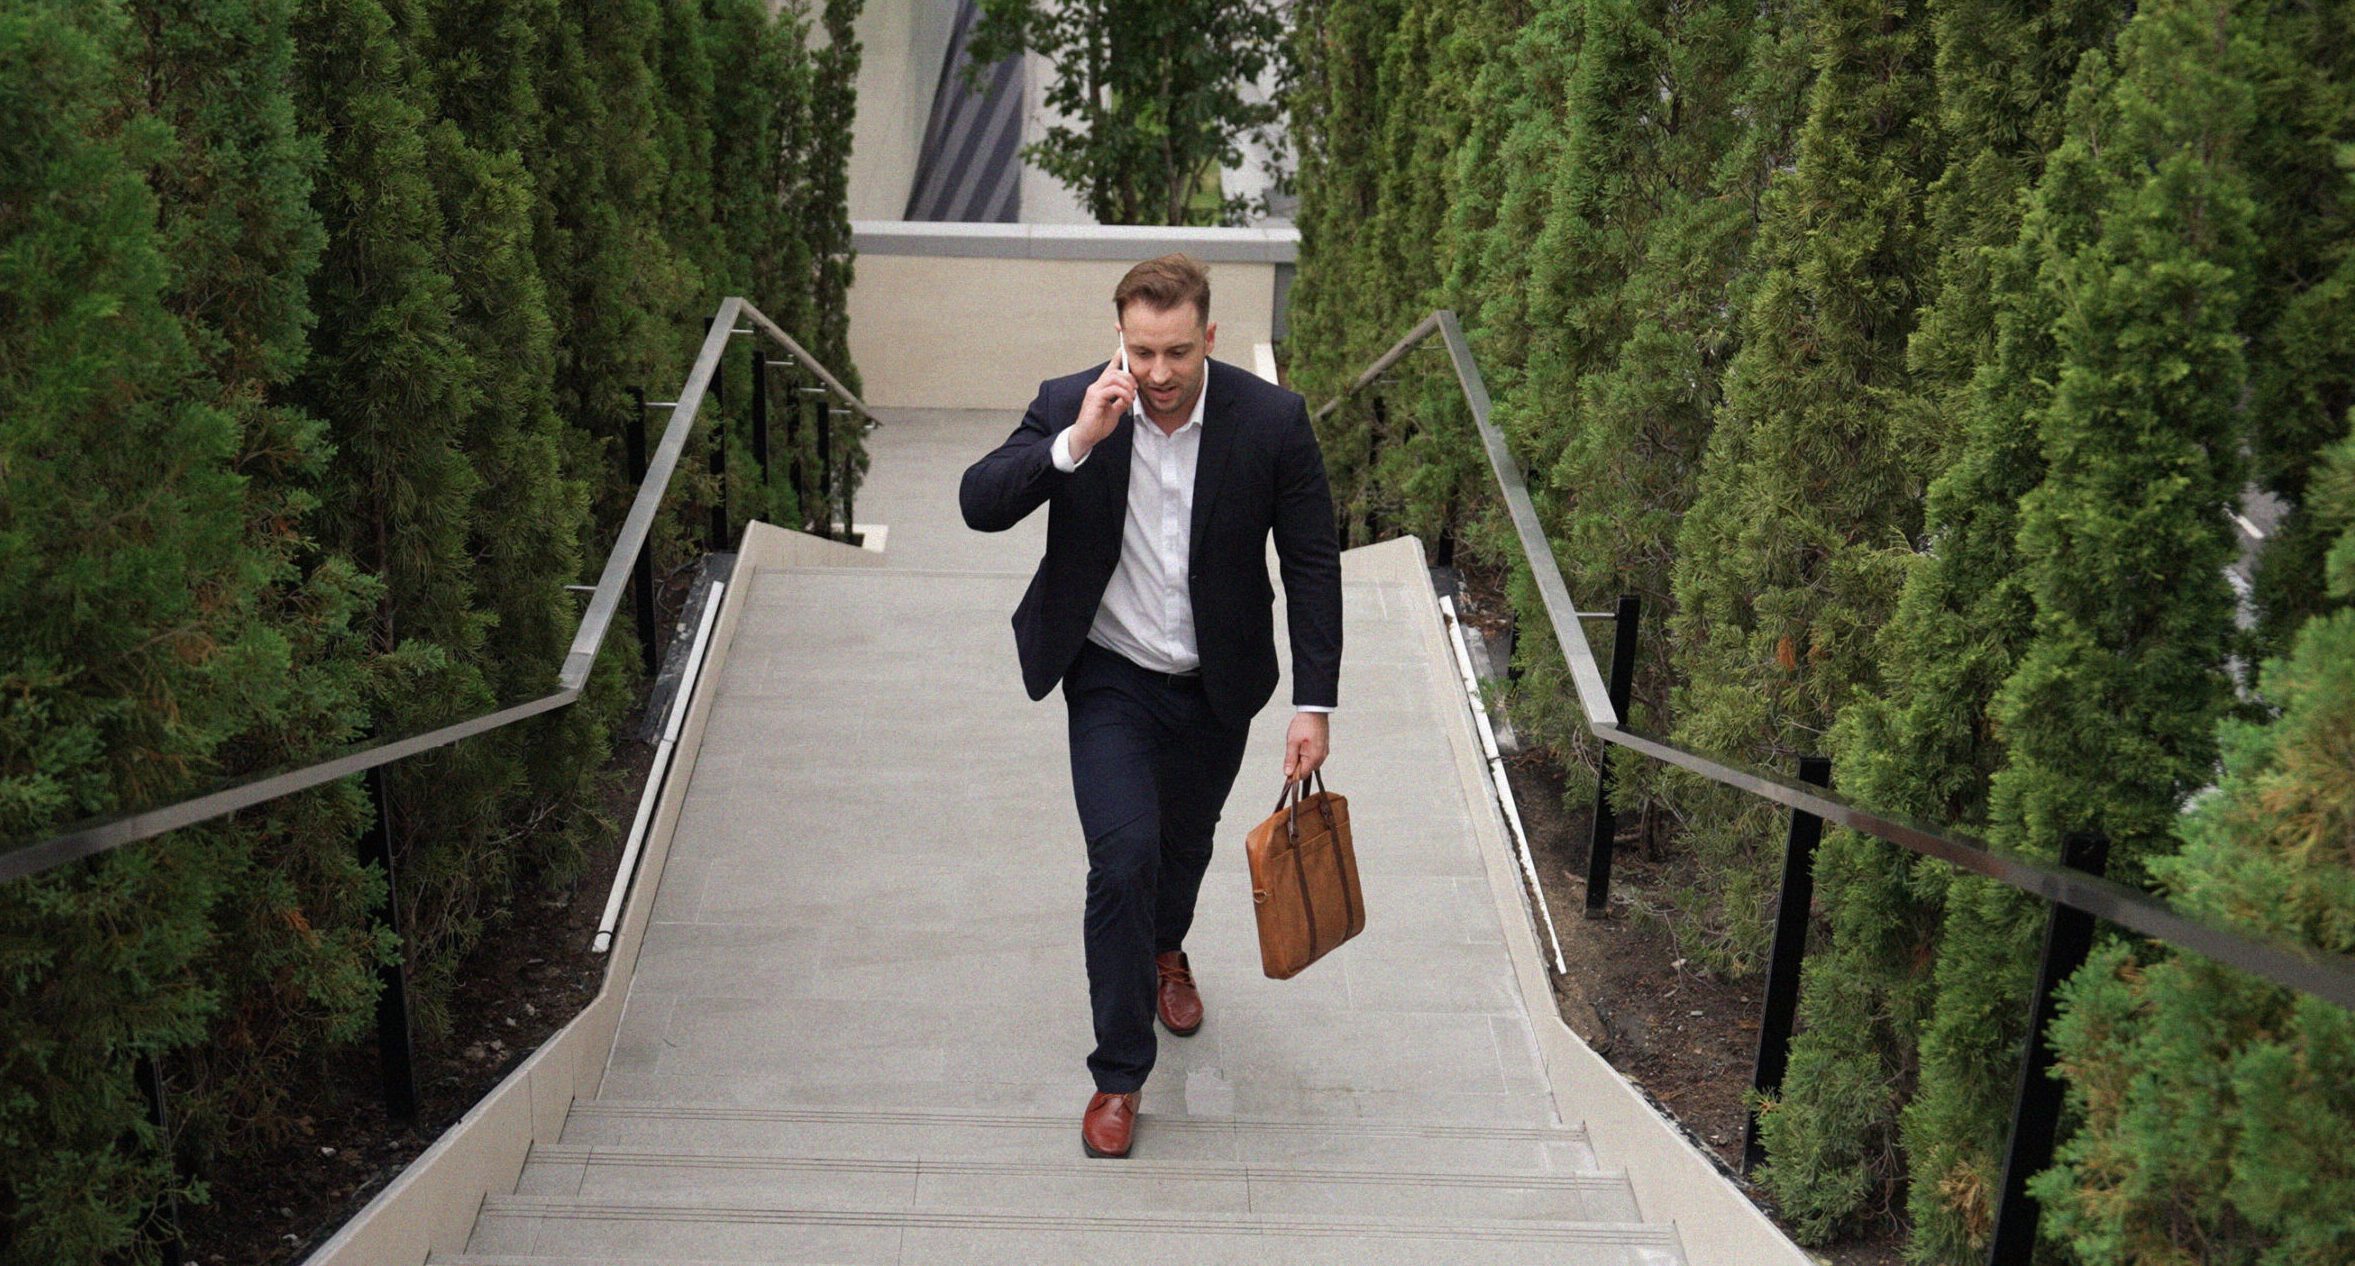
[(1151, 766)]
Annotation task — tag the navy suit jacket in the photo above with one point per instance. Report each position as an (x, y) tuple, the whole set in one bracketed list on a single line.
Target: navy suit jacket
[(1259, 472)]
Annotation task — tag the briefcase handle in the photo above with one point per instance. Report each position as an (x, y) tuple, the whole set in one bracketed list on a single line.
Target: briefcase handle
[(1296, 789)]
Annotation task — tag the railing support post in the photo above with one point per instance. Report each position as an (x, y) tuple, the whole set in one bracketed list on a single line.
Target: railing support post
[(794, 471), (2036, 1103), (641, 567), (715, 534), (760, 417), (396, 1049), (825, 500), (1604, 832), (150, 1080), (1781, 1008)]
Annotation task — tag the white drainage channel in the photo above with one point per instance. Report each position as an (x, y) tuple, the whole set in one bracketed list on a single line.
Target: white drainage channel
[(658, 776), (1501, 786)]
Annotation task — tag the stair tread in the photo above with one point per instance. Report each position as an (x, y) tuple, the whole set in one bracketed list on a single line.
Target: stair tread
[(1535, 1230), (1372, 1126), (632, 1154)]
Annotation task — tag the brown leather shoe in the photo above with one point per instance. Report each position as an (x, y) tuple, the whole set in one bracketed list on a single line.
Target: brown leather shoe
[(1179, 1003), (1109, 1126)]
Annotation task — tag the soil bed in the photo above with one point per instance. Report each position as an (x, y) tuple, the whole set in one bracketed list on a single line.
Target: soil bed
[(1686, 1038), (530, 975)]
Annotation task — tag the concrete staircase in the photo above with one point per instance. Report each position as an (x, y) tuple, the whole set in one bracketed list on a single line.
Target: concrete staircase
[(669, 1182), (856, 1024)]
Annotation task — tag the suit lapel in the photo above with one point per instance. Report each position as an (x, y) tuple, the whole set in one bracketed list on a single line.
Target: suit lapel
[(1218, 439)]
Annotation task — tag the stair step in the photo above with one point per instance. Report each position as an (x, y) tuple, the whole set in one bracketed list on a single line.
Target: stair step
[(608, 1171), (606, 1231), (1346, 1142), (438, 1258)]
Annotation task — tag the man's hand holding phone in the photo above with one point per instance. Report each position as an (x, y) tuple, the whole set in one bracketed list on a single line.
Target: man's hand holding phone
[(1106, 402)]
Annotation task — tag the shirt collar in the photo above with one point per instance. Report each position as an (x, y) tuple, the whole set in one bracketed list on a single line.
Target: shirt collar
[(1136, 407)]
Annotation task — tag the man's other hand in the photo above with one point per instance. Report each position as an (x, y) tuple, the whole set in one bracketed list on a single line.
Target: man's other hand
[(1101, 410), (1306, 743)]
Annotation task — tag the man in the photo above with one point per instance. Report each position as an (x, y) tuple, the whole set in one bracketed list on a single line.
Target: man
[(1163, 480)]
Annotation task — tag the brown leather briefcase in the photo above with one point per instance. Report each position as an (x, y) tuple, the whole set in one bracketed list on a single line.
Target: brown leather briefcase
[(1304, 879)]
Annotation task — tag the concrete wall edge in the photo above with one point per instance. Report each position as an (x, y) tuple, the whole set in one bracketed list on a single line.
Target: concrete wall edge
[(1267, 245)]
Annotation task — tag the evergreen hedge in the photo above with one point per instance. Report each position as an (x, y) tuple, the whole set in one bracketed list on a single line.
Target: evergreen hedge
[(320, 317), (1906, 358)]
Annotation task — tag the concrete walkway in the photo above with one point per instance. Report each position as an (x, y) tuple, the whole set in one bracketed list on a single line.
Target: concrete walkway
[(858, 1020)]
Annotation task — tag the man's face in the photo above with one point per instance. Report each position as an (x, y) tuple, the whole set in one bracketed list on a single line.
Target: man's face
[(1168, 349)]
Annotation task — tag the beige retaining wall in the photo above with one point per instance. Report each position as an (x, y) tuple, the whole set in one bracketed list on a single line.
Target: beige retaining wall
[(956, 316)]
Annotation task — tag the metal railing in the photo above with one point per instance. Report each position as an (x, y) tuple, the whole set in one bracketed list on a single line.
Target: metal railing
[(627, 566), (2075, 888)]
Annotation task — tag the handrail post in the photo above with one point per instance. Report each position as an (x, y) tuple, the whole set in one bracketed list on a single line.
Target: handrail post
[(1781, 1009), (850, 531), (395, 1044), (825, 499), (150, 1080), (1603, 834), (760, 415), (2036, 1102), (715, 534), (795, 473), (642, 567)]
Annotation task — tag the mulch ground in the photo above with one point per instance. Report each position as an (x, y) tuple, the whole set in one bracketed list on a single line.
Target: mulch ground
[(1686, 1038), (526, 980)]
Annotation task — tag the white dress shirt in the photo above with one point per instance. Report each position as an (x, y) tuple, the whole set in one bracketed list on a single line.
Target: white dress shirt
[(1147, 615)]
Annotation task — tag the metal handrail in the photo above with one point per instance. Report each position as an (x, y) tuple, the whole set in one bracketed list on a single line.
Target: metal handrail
[(101, 834), (2327, 976)]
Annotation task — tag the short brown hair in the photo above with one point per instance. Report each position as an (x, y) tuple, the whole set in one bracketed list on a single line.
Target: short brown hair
[(1165, 283)]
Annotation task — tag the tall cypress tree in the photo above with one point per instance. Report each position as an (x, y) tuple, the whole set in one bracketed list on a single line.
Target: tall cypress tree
[(132, 648), (618, 291), (2108, 714), (2215, 1106), (1514, 57), (2302, 307), (395, 383), (1653, 205), (834, 78), (529, 518), (1337, 107), (1921, 744), (293, 955), (761, 59), (1783, 569)]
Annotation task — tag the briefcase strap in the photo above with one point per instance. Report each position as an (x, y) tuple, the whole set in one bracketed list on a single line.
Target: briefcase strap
[(1308, 905)]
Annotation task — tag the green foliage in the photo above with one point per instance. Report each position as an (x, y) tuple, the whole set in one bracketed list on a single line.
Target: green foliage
[(1154, 98), (2302, 301), (1895, 354), (2109, 712), (292, 945), (1629, 332), (2215, 1106), (1784, 565), (396, 385), (116, 677), (316, 322), (1922, 744)]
